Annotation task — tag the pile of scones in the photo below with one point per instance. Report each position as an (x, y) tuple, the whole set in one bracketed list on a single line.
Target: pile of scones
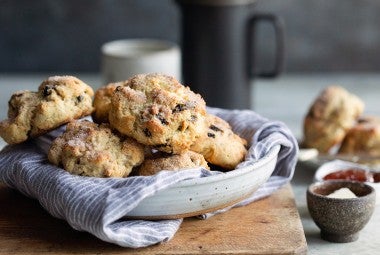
[(140, 126), (335, 124)]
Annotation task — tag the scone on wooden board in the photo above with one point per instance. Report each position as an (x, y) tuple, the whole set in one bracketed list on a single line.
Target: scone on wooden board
[(59, 99), (163, 161), (158, 111), (89, 149), (330, 117)]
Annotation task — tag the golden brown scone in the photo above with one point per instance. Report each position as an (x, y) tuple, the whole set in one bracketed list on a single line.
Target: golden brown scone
[(102, 102), (329, 118), (219, 144), (88, 149), (163, 161), (16, 128), (59, 99), (363, 138), (158, 111)]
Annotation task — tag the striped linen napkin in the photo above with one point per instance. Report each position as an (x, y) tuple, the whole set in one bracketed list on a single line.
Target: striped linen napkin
[(97, 205)]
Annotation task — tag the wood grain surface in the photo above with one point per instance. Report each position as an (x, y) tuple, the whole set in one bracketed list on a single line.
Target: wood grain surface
[(269, 226)]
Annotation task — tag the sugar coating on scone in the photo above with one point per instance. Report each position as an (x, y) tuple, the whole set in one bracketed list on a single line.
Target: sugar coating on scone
[(329, 118), (219, 144), (102, 102), (89, 149), (363, 138), (59, 99), (163, 161), (157, 110)]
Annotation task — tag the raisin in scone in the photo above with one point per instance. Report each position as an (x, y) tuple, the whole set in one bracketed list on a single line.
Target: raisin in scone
[(331, 115), (102, 102), (219, 144), (157, 110), (89, 149), (59, 99), (163, 161)]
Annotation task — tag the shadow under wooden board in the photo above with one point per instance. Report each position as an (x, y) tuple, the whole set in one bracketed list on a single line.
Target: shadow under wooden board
[(269, 226)]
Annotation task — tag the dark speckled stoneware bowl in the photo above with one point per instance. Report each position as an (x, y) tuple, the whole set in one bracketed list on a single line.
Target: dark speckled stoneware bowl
[(340, 220)]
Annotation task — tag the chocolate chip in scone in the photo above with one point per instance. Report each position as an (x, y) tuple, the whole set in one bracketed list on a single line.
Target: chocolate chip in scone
[(47, 90), (211, 135), (183, 107), (147, 133), (80, 98), (215, 128), (162, 119), (179, 108)]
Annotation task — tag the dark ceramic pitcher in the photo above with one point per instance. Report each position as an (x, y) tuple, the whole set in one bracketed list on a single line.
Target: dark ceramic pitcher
[(218, 38)]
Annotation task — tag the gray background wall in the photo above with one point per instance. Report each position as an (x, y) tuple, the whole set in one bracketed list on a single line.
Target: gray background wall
[(66, 35)]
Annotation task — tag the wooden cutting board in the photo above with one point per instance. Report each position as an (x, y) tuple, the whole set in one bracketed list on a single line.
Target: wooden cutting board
[(269, 226)]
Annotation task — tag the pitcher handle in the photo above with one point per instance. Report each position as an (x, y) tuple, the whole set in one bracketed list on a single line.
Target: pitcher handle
[(278, 26)]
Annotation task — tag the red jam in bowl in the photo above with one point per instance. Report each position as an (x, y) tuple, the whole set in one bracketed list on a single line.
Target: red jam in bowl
[(351, 174)]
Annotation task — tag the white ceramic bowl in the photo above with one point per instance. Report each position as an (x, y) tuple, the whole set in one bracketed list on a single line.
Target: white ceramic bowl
[(197, 196), (336, 165)]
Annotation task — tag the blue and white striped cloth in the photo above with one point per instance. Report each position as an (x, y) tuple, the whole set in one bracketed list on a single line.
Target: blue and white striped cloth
[(97, 205)]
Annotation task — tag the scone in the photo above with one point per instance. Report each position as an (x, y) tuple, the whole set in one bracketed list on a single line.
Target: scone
[(219, 144), (158, 111), (363, 138), (102, 102), (163, 161), (330, 117), (88, 149), (59, 99)]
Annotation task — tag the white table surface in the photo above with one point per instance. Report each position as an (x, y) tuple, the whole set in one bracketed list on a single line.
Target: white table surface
[(286, 99)]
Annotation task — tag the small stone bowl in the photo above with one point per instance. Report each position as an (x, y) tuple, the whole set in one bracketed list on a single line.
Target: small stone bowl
[(340, 219)]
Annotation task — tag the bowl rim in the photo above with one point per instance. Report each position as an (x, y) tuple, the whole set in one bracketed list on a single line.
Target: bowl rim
[(336, 165), (273, 152), (327, 182)]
